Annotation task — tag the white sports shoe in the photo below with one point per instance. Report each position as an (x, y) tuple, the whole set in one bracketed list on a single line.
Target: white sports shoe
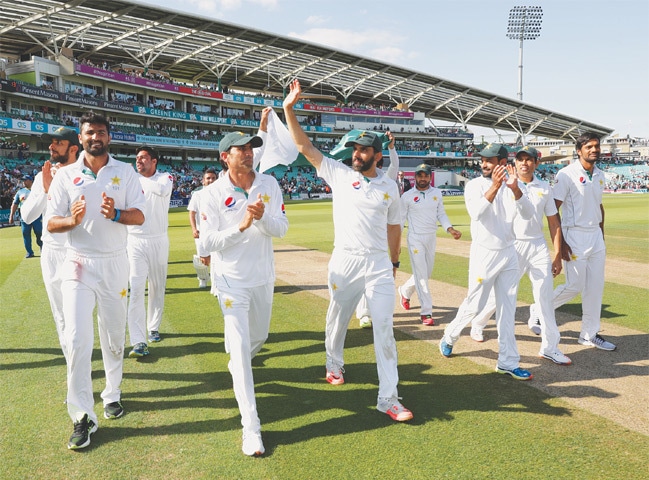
[(534, 322), (476, 334), (202, 284), (365, 322), (557, 357), (598, 342), (252, 444)]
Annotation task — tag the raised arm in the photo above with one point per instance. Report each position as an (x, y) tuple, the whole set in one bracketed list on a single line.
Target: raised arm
[(304, 145)]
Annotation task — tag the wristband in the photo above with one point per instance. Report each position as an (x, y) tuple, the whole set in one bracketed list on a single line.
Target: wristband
[(118, 213), (396, 264)]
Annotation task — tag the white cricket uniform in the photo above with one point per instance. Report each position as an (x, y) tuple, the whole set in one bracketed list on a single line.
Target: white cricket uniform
[(148, 256), (581, 216), (360, 263), (246, 274), (203, 272), (422, 211), (52, 253), (95, 271), (194, 206), (363, 309), (534, 260), (493, 264)]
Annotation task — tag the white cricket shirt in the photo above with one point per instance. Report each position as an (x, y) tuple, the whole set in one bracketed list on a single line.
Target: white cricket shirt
[(581, 196), (157, 193), (539, 194), (36, 205), (492, 222), (362, 207), (96, 234), (422, 210), (245, 259)]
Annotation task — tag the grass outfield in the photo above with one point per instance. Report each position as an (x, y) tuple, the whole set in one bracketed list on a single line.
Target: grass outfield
[(182, 420)]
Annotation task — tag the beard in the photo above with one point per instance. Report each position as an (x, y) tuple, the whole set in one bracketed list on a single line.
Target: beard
[(58, 158), (96, 150), (363, 166), (423, 184)]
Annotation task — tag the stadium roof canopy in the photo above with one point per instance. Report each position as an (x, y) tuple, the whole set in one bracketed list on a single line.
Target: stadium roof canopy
[(193, 49)]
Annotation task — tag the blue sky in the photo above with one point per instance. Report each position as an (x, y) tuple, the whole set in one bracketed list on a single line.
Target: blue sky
[(591, 60)]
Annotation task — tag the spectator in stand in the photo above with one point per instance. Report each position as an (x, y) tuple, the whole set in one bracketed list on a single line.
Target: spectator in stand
[(403, 182)]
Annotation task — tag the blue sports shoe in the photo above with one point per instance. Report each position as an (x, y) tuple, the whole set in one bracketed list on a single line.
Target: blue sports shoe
[(517, 373), (139, 350), (154, 336), (445, 348)]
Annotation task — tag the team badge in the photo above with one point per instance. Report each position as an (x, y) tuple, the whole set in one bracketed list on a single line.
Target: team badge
[(356, 185), (230, 202), (78, 181)]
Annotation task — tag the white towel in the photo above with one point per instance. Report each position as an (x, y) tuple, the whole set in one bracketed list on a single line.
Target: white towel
[(279, 148)]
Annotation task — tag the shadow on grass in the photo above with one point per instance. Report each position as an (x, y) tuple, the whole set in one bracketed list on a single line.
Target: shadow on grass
[(290, 289), (575, 309)]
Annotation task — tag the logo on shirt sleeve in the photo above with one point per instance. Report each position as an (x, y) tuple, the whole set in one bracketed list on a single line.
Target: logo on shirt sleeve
[(283, 210)]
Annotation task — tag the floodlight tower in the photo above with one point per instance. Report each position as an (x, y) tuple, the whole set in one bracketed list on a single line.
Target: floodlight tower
[(524, 24)]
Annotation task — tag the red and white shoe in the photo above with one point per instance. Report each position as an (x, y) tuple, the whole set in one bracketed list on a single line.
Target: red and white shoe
[(393, 408), (428, 320), (405, 302), (335, 375)]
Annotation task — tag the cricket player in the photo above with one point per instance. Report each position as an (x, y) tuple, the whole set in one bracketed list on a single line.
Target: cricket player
[(534, 259), (363, 309), (148, 253), (64, 148), (422, 208), (493, 201), (241, 212), (577, 193), (202, 271), (367, 237), (93, 200)]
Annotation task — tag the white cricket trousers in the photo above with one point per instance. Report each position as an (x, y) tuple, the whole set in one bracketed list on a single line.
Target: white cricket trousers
[(51, 260), (148, 257), (363, 308), (533, 260), (246, 313), (585, 275), (422, 259), (100, 281), (497, 270), (349, 277)]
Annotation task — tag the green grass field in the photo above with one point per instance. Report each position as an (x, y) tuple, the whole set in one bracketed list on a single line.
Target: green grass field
[(182, 420)]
